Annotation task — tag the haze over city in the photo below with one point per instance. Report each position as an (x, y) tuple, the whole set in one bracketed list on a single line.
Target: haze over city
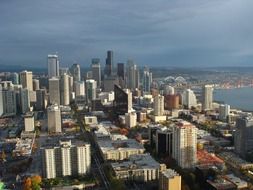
[(182, 33)]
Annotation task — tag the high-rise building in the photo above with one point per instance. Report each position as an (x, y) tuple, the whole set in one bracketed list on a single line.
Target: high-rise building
[(243, 136), (64, 70), (29, 121), (159, 105), (54, 91), (207, 97), (96, 71), (75, 72), (109, 83), (184, 149), (109, 63), (168, 90), (8, 103), (71, 87), (79, 88), (146, 80), (130, 119), (224, 110), (36, 84), (54, 119), (24, 100), (189, 99), (53, 66), (171, 101), (14, 78), (64, 89), (91, 88), (40, 99), (164, 141), (121, 70), (26, 80), (66, 159), (122, 101), (132, 75), (169, 180)]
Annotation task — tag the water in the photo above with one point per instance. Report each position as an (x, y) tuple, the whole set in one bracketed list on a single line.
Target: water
[(241, 98)]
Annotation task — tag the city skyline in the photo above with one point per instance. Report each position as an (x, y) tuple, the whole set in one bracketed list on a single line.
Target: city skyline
[(218, 32)]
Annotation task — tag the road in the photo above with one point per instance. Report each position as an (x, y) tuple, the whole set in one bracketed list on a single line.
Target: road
[(97, 167)]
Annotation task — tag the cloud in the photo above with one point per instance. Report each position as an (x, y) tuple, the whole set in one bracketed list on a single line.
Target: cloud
[(165, 32)]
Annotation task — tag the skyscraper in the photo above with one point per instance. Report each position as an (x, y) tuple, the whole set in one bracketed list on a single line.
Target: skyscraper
[(243, 136), (8, 104), (75, 72), (53, 66), (184, 149), (79, 88), (26, 80), (159, 105), (54, 119), (96, 71), (146, 80), (64, 89), (25, 100), (14, 78), (36, 84), (132, 75), (40, 99), (224, 110), (189, 99), (207, 97), (54, 91), (121, 70), (109, 63), (91, 88), (122, 101)]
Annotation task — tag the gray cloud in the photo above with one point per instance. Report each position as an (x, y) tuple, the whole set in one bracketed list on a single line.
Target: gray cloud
[(161, 32)]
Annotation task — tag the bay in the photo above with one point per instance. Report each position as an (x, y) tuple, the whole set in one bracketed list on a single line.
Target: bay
[(240, 98)]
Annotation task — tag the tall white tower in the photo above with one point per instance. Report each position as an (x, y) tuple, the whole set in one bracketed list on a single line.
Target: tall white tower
[(207, 97), (159, 105)]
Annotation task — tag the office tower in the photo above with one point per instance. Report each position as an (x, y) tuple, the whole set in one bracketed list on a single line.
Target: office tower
[(40, 99), (132, 75), (243, 136), (169, 180), (164, 141), (147, 80), (64, 70), (184, 149), (122, 101), (53, 66), (159, 105), (71, 87), (26, 80), (8, 104), (24, 100), (64, 89), (189, 99), (14, 78), (79, 88), (130, 119), (91, 88), (171, 101), (66, 159), (29, 121), (54, 91), (168, 90), (121, 70), (75, 72), (109, 83), (96, 71), (54, 119), (207, 97), (109, 63), (36, 84), (224, 110)]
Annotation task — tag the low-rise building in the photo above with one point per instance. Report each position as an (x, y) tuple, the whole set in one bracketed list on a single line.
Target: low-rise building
[(141, 167), (169, 180)]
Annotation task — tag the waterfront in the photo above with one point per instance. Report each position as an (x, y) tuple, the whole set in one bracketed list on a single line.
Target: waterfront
[(241, 98)]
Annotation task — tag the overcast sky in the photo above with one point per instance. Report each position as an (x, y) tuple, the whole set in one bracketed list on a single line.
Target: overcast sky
[(178, 33)]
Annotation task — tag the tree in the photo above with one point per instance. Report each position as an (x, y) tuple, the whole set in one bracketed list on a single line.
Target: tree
[(27, 184)]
